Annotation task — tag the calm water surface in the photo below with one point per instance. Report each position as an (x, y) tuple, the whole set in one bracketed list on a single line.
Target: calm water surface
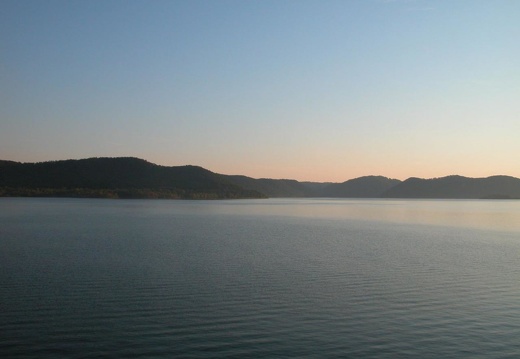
[(87, 278)]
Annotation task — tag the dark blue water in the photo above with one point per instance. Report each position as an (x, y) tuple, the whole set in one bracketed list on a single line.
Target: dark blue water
[(82, 278)]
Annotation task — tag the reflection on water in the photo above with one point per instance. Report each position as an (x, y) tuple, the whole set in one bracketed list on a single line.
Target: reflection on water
[(479, 214), (501, 215), (271, 278)]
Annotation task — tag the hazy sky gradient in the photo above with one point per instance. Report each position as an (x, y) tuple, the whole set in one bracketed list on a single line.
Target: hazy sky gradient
[(310, 90)]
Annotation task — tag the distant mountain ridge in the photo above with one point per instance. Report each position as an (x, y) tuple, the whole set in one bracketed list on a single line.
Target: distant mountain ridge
[(456, 187), (274, 187), (362, 187), (129, 177)]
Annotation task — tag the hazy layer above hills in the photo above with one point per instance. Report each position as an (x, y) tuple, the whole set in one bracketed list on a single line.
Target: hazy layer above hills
[(129, 177)]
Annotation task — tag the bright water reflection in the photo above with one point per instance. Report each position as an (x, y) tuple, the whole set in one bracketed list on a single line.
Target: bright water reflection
[(499, 215)]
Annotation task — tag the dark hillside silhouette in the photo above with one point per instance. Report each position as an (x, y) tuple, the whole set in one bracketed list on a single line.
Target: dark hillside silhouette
[(116, 177), (129, 177), (274, 187), (362, 187), (457, 187)]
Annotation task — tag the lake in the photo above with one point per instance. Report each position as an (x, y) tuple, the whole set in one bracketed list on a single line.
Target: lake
[(292, 278)]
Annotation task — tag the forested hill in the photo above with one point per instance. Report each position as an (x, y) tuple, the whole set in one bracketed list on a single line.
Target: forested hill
[(115, 177), (128, 177), (362, 187), (275, 187), (500, 187)]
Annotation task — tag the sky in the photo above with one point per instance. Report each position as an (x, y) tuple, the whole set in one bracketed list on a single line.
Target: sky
[(309, 90)]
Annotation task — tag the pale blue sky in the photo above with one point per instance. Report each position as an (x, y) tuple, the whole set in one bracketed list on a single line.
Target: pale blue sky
[(311, 90)]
